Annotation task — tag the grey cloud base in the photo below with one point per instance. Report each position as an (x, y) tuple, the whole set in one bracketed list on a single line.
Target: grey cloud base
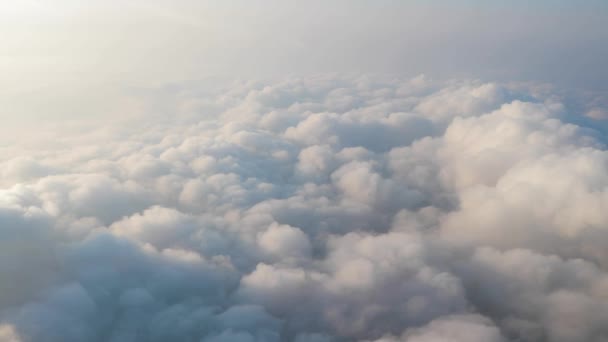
[(312, 210)]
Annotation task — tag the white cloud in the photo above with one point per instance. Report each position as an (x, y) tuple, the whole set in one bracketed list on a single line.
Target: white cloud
[(470, 328), (327, 208)]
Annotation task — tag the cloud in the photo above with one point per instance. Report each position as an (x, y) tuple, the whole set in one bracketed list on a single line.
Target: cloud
[(311, 209), (453, 328)]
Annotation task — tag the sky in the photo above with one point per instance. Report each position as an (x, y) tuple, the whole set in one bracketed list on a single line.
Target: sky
[(66, 40), (52, 49), (303, 171)]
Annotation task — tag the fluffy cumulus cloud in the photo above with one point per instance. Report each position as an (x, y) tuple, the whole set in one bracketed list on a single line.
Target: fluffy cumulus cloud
[(316, 209)]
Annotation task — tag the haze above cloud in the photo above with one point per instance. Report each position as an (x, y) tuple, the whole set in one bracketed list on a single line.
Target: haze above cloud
[(53, 50)]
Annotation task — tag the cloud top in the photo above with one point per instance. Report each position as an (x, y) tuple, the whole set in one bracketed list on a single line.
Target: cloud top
[(313, 209)]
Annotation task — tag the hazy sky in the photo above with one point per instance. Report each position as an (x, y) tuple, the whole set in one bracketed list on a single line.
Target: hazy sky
[(62, 42)]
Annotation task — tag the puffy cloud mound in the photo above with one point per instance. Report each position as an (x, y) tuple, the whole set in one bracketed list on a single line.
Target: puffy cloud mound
[(317, 209)]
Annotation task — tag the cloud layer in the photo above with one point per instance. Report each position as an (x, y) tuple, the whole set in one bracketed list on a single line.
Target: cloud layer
[(317, 209)]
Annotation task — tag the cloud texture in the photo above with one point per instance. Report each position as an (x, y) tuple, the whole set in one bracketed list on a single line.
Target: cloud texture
[(317, 209)]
